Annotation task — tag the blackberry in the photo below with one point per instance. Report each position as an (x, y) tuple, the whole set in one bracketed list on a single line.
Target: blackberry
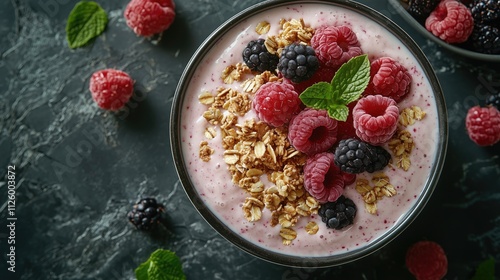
[(355, 156), (338, 214), (298, 62), (485, 39), (494, 100), (258, 58), (421, 9), (146, 213), (485, 12)]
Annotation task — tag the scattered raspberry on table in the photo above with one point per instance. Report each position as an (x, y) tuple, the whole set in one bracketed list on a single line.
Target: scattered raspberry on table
[(149, 17), (426, 260), (483, 125), (111, 89)]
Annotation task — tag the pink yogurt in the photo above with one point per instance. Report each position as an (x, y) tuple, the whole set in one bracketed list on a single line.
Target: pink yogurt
[(212, 180)]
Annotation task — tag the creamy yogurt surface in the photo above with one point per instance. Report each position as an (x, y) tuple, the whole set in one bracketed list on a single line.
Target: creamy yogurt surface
[(213, 182)]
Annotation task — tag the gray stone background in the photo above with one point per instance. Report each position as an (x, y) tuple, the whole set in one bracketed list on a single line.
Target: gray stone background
[(79, 169)]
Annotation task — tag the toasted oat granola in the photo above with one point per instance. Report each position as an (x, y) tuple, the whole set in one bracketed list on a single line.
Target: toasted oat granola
[(409, 115), (253, 149), (401, 145), (371, 194), (291, 31)]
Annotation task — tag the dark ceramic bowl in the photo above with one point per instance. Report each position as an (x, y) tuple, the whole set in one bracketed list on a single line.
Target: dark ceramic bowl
[(400, 8), (219, 201)]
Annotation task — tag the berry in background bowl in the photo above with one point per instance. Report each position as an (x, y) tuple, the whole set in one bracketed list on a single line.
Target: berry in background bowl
[(272, 131), (467, 27)]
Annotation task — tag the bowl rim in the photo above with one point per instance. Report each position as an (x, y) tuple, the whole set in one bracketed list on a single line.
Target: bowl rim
[(458, 50), (259, 251)]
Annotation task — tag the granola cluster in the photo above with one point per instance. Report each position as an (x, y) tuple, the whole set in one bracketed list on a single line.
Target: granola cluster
[(291, 31), (371, 194), (401, 143), (259, 157)]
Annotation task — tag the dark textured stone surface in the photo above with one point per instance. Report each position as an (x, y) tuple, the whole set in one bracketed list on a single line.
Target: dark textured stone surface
[(79, 169)]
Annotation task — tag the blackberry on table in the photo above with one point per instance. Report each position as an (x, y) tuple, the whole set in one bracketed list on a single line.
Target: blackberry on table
[(298, 62), (338, 214), (146, 213), (494, 100), (355, 156), (258, 58), (421, 9)]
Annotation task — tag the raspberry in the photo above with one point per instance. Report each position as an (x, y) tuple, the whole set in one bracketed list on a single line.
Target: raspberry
[(349, 178), (421, 9), (312, 131), (483, 125), (338, 214), (375, 118), (322, 178), (335, 45), (426, 260), (389, 78), (323, 74), (354, 156), (298, 62), (146, 213), (149, 17), (275, 103), (111, 88), (346, 129), (451, 21), (258, 58)]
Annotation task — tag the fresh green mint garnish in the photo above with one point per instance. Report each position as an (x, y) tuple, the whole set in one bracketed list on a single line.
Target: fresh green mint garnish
[(86, 21), (346, 86), (485, 270), (161, 265)]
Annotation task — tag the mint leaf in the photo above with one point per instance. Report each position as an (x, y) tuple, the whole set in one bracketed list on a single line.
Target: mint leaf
[(86, 21), (318, 96), (161, 265), (485, 270), (339, 112), (141, 272), (347, 85), (352, 78)]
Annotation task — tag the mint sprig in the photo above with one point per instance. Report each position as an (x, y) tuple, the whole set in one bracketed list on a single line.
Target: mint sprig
[(485, 270), (161, 265), (86, 21), (346, 86)]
